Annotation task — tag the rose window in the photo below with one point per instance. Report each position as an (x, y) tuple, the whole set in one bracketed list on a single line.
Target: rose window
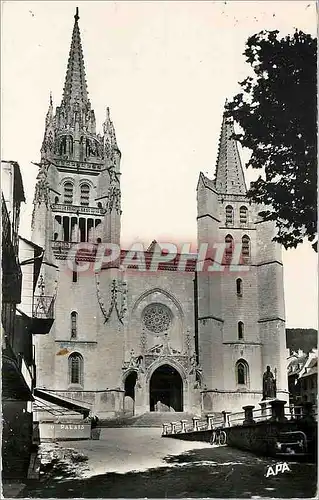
[(157, 318)]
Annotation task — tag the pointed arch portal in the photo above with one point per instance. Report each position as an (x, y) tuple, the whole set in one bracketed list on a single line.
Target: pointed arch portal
[(166, 389), (129, 395), (129, 384)]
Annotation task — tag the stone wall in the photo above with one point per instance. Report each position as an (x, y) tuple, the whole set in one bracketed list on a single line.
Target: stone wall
[(261, 437)]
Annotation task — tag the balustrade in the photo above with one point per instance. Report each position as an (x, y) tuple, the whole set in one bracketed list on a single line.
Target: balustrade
[(173, 427), (77, 209), (78, 164), (278, 410), (210, 420), (195, 423), (165, 429), (183, 426), (248, 414), (226, 415)]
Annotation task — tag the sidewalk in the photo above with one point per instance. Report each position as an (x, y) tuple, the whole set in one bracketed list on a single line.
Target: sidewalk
[(11, 489)]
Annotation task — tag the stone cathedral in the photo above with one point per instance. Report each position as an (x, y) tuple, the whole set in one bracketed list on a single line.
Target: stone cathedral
[(125, 341)]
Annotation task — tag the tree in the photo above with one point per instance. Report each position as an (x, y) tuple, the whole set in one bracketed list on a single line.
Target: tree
[(277, 111)]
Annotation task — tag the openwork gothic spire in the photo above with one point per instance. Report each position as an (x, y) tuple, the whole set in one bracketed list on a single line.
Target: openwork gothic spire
[(229, 171), (109, 130), (75, 88), (49, 115), (110, 143)]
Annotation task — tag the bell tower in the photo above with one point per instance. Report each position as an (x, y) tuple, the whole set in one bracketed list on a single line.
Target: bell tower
[(241, 317), (77, 196)]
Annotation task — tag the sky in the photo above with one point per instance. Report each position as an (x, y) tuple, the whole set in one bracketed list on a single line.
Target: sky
[(165, 70)]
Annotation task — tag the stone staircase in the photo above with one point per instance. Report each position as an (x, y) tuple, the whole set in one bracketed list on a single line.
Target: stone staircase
[(148, 419)]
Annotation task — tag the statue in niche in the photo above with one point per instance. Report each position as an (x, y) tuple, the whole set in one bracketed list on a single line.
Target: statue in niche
[(193, 363), (134, 362), (93, 148), (269, 385), (87, 148), (90, 149), (114, 198), (113, 174)]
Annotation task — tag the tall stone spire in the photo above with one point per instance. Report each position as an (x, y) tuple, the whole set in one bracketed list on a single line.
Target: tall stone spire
[(75, 88), (229, 171)]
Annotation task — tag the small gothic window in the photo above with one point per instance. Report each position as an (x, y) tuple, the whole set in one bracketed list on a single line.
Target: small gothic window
[(229, 247), (229, 215), (70, 144), (243, 211), (99, 204), (73, 324), (63, 145), (55, 236), (85, 195), (74, 277), (75, 368), (240, 330), (245, 247), (242, 372), (56, 200), (68, 193), (98, 240), (239, 286)]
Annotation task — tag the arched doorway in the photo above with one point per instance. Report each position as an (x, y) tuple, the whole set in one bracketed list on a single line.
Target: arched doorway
[(129, 395), (166, 390)]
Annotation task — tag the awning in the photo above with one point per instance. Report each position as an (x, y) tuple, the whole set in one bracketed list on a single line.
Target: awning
[(310, 371), (56, 400)]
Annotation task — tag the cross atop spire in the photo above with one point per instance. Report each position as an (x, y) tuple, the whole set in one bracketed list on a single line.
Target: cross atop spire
[(229, 171), (75, 88)]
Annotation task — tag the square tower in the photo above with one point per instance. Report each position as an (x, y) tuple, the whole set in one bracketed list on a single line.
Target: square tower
[(241, 319)]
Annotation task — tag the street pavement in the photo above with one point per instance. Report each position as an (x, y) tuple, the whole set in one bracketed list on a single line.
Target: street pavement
[(138, 463), (130, 449)]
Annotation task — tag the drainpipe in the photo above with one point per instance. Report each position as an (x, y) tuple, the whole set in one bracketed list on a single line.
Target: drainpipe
[(196, 316)]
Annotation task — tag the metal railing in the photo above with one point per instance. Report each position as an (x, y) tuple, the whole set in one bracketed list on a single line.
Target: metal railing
[(43, 307)]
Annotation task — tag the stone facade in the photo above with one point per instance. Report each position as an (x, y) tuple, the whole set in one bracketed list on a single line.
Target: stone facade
[(126, 340)]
